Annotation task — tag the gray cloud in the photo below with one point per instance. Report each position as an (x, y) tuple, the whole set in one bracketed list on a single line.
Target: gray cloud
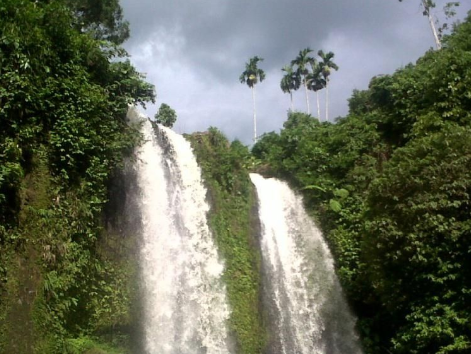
[(195, 50)]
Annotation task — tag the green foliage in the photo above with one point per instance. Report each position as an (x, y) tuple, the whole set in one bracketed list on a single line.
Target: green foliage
[(460, 39), (87, 345), (63, 100), (225, 170), (327, 64), (166, 116), (419, 224), (291, 81), (252, 73), (391, 189), (302, 62), (103, 19)]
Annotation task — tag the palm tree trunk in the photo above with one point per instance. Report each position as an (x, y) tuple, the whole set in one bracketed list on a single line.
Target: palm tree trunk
[(432, 24), (291, 97), (327, 101), (254, 116), (318, 106), (307, 97)]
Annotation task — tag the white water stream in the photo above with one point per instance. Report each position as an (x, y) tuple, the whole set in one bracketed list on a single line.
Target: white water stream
[(184, 298), (308, 310)]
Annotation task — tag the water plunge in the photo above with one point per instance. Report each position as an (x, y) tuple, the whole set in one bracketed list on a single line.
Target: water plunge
[(184, 298), (307, 310)]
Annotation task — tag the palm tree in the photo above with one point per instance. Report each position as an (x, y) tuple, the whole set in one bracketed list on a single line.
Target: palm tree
[(290, 82), (302, 62), (251, 76), (316, 82), (326, 65)]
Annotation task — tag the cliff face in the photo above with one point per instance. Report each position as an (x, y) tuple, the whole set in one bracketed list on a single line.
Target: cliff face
[(21, 276), (64, 280), (233, 218), (69, 273)]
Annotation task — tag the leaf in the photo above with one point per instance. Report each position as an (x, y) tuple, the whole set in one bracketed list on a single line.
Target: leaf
[(341, 193), (335, 205), (314, 187)]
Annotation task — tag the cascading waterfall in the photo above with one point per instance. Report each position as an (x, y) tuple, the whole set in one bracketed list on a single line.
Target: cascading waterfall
[(185, 307), (306, 304)]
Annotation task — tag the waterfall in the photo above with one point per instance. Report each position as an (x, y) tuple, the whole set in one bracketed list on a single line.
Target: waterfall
[(307, 308), (185, 306)]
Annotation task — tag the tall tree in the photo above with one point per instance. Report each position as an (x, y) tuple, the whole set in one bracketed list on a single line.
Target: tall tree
[(326, 65), (251, 76), (290, 82), (428, 5), (316, 82), (303, 61)]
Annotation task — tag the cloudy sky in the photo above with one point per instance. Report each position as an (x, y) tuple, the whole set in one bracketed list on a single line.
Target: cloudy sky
[(194, 51)]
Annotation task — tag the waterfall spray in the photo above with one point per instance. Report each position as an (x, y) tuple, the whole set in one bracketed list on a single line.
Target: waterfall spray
[(185, 306), (308, 310)]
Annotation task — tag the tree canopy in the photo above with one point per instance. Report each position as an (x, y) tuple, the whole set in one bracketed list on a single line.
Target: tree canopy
[(103, 19), (166, 115), (252, 73), (65, 88), (290, 81)]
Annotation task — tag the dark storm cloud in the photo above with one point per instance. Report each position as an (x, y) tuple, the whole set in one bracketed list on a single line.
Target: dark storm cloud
[(196, 50), (219, 35)]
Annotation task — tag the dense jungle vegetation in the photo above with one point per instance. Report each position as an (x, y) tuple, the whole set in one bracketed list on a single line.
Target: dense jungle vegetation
[(390, 185), (233, 219), (65, 86)]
